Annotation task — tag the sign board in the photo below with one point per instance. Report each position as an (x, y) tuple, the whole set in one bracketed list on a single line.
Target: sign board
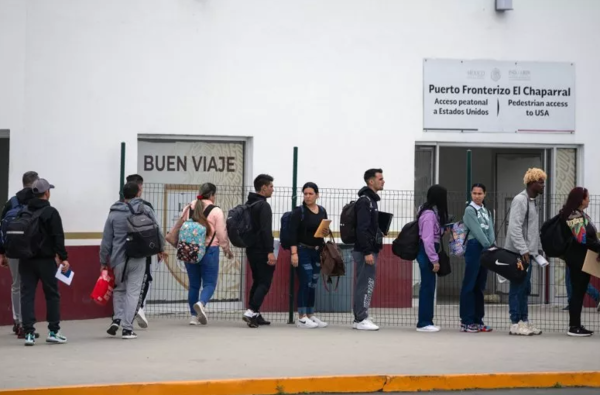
[(495, 96)]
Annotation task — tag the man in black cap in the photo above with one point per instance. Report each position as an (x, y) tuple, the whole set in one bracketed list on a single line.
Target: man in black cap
[(42, 266)]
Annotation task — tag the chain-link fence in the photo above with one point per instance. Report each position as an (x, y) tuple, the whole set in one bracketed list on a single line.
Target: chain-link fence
[(395, 299)]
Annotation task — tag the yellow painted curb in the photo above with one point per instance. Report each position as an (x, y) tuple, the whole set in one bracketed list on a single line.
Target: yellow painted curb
[(333, 384)]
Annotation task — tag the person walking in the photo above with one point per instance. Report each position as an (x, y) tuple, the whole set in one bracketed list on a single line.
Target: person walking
[(203, 276), (480, 226)]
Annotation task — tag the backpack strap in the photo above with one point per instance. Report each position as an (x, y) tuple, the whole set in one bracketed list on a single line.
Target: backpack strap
[(207, 211), (130, 207), (14, 202)]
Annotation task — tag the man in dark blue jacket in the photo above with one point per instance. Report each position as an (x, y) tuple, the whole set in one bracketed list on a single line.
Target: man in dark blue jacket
[(369, 240)]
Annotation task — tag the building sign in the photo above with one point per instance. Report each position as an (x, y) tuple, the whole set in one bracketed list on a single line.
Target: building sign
[(492, 96), (173, 171)]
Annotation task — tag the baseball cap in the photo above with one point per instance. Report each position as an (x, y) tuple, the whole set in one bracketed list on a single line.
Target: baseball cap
[(41, 185)]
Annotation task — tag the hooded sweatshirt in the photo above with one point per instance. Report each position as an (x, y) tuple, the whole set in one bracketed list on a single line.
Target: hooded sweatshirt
[(430, 233), (368, 236), (262, 218), (523, 235), (112, 249)]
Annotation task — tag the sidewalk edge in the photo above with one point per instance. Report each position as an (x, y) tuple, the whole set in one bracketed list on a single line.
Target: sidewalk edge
[(332, 384)]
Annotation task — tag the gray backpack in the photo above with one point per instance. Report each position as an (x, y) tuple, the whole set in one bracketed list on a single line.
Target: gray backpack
[(143, 234)]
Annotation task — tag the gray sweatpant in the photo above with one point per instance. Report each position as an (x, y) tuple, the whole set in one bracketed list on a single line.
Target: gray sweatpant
[(15, 290), (126, 295), (365, 284)]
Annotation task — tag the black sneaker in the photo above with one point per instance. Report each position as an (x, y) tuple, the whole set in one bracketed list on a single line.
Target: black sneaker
[(114, 327), (579, 331), (16, 329), (129, 334), (261, 321), (252, 322)]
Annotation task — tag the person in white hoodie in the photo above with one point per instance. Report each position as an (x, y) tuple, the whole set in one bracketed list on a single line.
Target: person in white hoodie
[(205, 274)]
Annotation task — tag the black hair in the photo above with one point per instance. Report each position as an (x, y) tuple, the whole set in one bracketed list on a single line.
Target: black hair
[(29, 178), (311, 185), (437, 196), (130, 190), (478, 185), (207, 190), (135, 178), (262, 180), (369, 174)]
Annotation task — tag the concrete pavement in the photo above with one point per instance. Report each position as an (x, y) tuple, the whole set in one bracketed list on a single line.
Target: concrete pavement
[(170, 350)]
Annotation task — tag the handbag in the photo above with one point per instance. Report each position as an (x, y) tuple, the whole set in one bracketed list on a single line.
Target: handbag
[(444, 261), (332, 263), (173, 236)]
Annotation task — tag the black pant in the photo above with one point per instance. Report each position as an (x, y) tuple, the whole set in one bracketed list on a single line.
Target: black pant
[(145, 284), (32, 272), (262, 276), (579, 284)]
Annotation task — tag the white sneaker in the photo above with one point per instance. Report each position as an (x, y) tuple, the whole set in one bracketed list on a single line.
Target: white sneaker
[(535, 331), (306, 323), (141, 319), (520, 329), (429, 329), (319, 323), (194, 320), (366, 325), (202, 317)]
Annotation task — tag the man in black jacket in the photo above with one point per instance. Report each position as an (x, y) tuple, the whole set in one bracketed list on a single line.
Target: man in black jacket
[(42, 267), (22, 199), (369, 240), (260, 254)]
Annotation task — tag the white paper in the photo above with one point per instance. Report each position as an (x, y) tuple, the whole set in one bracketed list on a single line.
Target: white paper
[(65, 277), (540, 260), (276, 247)]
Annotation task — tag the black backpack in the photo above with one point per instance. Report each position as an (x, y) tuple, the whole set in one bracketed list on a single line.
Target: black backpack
[(285, 232), (24, 235), (406, 245), (143, 234), (348, 222), (240, 226), (555, 236)]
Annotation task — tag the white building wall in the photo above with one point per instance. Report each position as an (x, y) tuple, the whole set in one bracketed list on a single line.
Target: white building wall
[(340, 79)]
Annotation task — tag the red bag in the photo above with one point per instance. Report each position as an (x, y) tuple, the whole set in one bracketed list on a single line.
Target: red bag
[(104, 287)]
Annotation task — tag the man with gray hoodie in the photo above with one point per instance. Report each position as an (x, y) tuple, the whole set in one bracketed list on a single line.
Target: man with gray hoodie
[(523, 238), (129, 272)]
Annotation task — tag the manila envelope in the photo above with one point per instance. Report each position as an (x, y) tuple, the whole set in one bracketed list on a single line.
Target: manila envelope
[(591, 265)]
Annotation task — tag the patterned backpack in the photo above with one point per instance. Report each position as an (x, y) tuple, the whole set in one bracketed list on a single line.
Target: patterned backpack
[(191, 246), (458, 240)]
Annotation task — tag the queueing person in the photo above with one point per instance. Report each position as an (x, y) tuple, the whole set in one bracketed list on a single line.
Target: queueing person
[(480, 225), (584, 238), (523, 238), (432, 216), (306, 258), (369, 241)]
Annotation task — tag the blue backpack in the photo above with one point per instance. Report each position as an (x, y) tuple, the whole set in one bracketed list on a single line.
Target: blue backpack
[(285, 233), (15, 208)]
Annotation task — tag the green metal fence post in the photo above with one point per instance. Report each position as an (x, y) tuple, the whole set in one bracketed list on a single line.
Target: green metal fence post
[(122, 171), (469, 174), (294, 202)]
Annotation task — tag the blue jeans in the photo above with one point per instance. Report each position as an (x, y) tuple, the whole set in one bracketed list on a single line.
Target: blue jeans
[(427, 290), (472, 308), (591, 290), (309, 269), (517, 299), (205, 274)]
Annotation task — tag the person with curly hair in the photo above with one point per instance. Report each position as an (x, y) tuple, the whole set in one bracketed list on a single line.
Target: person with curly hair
[(523, 238)]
